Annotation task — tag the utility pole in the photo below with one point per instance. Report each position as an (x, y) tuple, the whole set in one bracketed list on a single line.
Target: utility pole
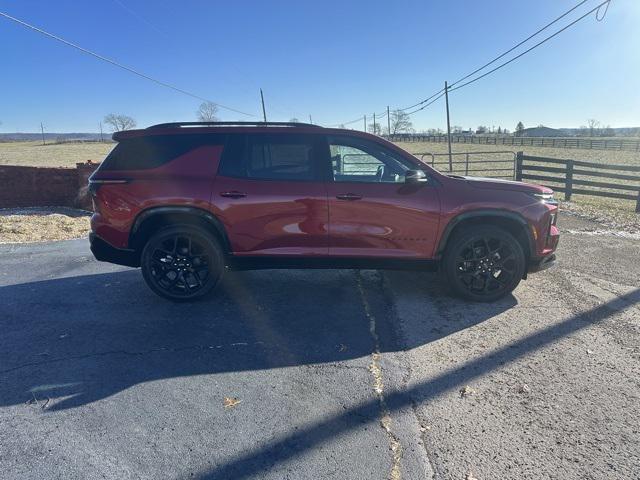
[(365, 124), (446, 97), (388, 122), (374, 123), (101, 137), (310, 121), (42, 130), (264, 112)]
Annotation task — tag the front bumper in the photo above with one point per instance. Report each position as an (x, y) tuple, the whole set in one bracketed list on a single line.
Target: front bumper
[(105, 252)]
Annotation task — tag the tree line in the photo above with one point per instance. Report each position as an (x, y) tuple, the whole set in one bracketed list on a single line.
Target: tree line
[(399, 122)]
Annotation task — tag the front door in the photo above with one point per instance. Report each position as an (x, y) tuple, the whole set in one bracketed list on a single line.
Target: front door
[(269, 195), (372, 211)]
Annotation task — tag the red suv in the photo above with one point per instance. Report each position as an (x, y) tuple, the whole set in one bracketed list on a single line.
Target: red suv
[(185, 201)]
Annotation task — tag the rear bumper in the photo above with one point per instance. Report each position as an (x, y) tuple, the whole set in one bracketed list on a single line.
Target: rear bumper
[(539, 264), (105, 252)]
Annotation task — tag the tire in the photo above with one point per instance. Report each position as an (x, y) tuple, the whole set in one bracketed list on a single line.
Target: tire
[(483, 263), (182, 263)]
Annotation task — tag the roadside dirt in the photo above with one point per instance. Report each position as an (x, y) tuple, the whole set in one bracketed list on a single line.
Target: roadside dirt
[(41, 224)]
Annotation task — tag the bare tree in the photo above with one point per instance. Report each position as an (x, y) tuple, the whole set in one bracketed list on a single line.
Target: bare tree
[(592, 125), (400, 122), (375, 128), (207, 112), (119, 122)]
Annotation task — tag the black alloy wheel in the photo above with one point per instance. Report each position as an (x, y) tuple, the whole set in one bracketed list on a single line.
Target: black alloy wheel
[(484, 263), (182, 263)]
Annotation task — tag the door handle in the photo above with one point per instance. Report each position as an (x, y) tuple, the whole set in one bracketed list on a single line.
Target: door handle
[(348, 196), (233, 194)]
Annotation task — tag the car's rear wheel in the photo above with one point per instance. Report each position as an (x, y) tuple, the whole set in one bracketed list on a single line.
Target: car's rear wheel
[(182, 263), (483, 263)]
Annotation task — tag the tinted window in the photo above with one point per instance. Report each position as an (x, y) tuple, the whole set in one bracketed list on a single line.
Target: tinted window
[(231, 163), (271, 157), (152, 151)]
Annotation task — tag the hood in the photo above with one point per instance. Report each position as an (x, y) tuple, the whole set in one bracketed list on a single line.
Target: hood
[(498, 184)]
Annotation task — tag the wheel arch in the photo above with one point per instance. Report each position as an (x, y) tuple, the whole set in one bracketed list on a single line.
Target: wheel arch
[(154, 218), (513, 222)]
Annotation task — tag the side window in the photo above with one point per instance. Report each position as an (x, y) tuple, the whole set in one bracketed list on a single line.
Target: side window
[(152, 151), (359, 160), (278, 157), (271, 157)]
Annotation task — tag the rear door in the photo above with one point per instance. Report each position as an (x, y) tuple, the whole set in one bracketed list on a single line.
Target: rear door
[(372, 211), (269, 195)]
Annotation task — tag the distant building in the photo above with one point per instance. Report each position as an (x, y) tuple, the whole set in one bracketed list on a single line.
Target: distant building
[(541, 132)]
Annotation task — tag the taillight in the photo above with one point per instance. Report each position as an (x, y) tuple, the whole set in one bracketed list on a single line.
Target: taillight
[(95, 183)]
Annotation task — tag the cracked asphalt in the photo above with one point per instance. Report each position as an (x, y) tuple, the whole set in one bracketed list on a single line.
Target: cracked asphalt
[(339, 374)]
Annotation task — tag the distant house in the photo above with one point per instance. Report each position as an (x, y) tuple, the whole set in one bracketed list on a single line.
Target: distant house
[(541, 132)]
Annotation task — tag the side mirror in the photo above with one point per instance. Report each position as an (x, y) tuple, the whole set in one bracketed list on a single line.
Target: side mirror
[(415, 176)]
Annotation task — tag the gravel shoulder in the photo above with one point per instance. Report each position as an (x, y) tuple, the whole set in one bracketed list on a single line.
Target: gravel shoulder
[(41, 224)]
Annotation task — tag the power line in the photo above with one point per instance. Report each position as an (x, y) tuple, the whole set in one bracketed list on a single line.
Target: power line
[(531, 48), (429, 103), (347, 123), (423, 101), (119, 65), (440, 93), (135, 14), (519, 44)]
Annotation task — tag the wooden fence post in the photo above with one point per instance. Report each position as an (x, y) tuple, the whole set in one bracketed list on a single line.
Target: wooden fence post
[(519, 166), (638, 203), (568, 181)]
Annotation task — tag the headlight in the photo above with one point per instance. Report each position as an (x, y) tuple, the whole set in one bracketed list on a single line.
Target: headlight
[(546, 198)]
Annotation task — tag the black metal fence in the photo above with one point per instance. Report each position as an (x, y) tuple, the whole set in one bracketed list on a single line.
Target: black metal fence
[(575, 177), (632, 145)]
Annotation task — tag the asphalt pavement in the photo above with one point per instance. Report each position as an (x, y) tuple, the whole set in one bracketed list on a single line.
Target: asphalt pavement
[(320, 373)]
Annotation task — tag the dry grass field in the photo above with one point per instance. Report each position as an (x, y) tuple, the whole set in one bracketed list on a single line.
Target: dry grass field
[(620, 211), (598, 156), (34, 154), (68, 154), (612, 212)]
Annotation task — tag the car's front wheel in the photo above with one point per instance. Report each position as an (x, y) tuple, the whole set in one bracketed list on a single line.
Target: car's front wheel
[(483, 263), (182, 263)]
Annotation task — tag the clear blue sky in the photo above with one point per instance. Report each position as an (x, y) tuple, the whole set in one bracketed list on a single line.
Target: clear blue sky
[(335, 60)]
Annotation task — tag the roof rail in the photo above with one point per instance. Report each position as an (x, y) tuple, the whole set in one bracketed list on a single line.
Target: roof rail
[(231, 124)]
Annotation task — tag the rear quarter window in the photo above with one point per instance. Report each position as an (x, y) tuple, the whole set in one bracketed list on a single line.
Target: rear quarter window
[(142, 153), (271, 157)]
